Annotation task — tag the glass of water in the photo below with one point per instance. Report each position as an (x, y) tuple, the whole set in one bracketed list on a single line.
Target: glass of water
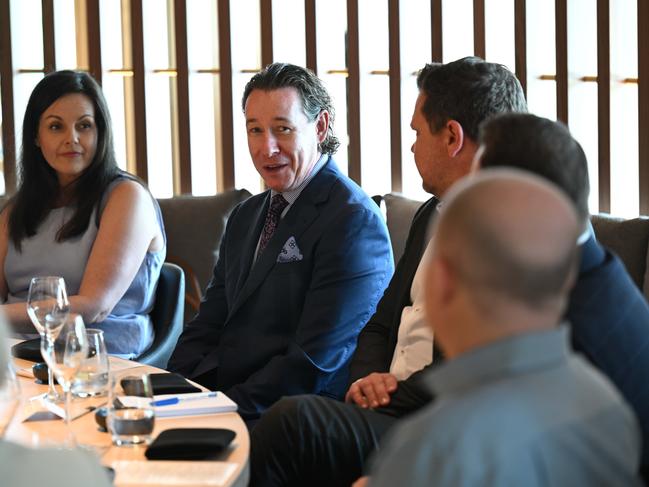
[(92, 377), (130, 418)]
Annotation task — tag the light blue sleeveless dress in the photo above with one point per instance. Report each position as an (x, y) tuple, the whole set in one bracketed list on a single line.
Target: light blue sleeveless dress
[(127, 330)]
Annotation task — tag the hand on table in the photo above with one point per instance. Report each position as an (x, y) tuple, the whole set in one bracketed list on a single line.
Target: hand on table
[(372, 391)]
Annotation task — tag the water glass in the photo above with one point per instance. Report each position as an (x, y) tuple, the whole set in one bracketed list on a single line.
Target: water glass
[(64, 348), (92, 377), (130, 418), (47, 307)]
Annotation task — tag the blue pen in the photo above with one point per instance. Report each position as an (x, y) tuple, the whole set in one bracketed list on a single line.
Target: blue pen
[(175, 400)]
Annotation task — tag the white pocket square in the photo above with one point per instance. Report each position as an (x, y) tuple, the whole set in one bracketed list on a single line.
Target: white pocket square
[(290, 252)]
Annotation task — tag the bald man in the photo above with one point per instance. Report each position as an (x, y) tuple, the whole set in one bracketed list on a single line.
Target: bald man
[(515, 405), (21, 466)]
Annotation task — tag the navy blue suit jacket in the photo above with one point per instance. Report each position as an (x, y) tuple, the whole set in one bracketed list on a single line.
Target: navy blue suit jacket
[(609, 317), (268, 329)]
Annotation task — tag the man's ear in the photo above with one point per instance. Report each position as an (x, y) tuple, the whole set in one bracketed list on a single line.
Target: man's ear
[(455, 138), (440, 282), (322, 125)]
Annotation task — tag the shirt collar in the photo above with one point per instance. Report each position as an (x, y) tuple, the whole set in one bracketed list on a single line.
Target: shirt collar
[(586, 234), (292, 195), (509, 357)]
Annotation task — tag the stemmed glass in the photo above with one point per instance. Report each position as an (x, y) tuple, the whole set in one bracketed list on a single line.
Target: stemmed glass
[(68, 350), (47, 304)]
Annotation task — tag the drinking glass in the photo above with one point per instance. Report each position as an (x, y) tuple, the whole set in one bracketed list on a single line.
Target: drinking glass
[(92, 377), (64, 351), (130, 418), (48, 305), (9, 398)]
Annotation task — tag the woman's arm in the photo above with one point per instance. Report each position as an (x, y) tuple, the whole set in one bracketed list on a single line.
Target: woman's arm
[(128, 228)]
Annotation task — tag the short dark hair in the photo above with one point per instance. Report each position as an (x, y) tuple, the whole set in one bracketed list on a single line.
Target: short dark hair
[(38, 187), (468, 90), (540, 146), (314, 96)]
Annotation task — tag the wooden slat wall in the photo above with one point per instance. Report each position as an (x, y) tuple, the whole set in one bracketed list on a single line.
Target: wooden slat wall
[(7, 87), (225, 179), (226, 165), (479, 48), (94, 39), (395, 95), (266, 11), (139, 93), (49, 56), (520, 40), (436, 30), (604, 105), (561, 26), (311, 35), (643, 104), (353, 92), (182, 93)]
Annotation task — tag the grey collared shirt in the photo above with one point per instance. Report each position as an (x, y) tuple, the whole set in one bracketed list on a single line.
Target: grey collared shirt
[(523, 411)]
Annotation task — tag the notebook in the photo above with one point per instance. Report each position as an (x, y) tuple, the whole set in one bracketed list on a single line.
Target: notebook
[(188, 404)]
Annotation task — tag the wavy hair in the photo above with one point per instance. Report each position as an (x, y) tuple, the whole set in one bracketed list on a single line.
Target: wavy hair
[(314, 96)]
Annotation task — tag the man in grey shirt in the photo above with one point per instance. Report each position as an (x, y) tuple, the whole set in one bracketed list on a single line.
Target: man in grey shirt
[(515, 406)]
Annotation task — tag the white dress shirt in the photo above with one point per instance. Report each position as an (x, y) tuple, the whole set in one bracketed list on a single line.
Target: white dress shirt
[(414, 348)]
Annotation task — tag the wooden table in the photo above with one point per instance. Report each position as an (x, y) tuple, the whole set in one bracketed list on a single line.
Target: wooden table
[(52, 432)]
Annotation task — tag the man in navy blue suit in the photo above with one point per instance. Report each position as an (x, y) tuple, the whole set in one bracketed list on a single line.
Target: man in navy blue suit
[(301, 266)]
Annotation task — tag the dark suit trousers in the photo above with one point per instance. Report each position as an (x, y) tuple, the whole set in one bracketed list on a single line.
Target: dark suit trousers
[(313, 440)]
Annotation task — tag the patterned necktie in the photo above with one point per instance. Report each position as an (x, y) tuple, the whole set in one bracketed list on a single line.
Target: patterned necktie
[(277, 205)]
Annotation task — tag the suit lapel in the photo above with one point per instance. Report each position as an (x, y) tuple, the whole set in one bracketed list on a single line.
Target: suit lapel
[(249, 244), (299, 217)]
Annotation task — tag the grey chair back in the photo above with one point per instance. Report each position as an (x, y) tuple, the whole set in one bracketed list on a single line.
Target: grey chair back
[(166, 315)]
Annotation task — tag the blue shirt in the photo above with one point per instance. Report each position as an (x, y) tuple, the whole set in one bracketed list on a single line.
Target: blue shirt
[(522, 411)]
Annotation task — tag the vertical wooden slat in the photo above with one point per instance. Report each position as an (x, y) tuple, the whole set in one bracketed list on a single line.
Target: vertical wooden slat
[(603, 106), (311, 37), (479, 48), (520, 39), (225, 64), (353, 93), (266, 14), (436, 30), (7, 92), (561, 26), (643, 105), (395, 94), (182, 94), (94, 39), (139, 92), (49, 56)]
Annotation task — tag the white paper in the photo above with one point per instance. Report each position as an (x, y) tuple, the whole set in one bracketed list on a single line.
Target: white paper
[(172, 473), (204, 405)]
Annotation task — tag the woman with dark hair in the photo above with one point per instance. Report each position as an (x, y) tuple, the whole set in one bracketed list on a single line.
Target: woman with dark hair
[(77, 215)]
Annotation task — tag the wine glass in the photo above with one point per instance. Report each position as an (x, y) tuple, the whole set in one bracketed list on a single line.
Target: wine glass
[(64, 351), (10, 396), (47, 305)]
